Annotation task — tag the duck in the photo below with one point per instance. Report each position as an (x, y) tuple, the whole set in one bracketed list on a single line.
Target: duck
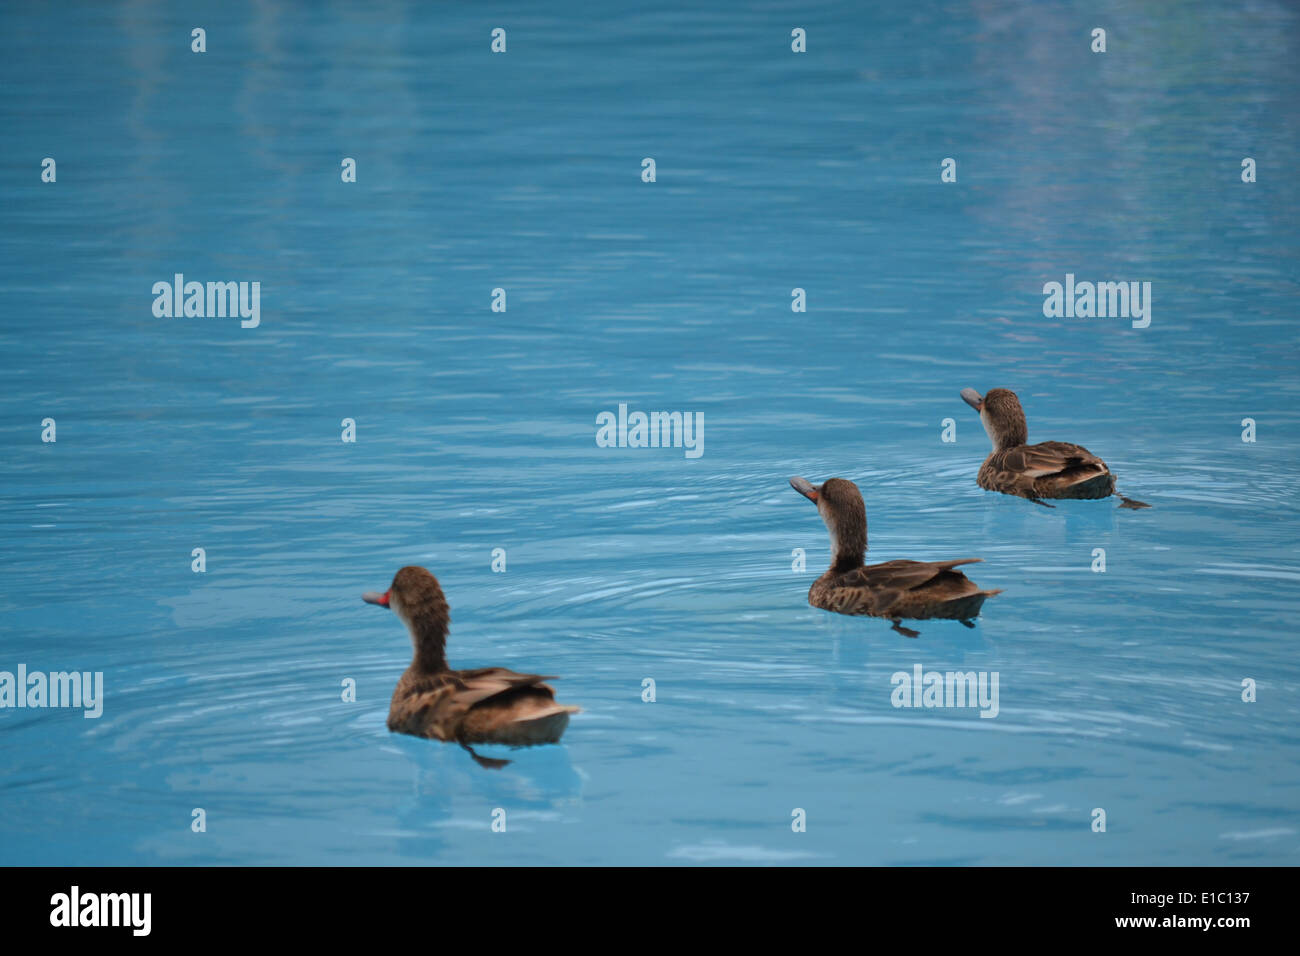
[(916, 590), (487, 705), (1050, 469)]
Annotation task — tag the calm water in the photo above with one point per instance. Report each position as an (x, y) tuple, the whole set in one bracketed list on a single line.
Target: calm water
[(475, 429)]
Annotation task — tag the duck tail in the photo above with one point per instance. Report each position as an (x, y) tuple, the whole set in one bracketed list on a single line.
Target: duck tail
[(966, 607), (542, 727)]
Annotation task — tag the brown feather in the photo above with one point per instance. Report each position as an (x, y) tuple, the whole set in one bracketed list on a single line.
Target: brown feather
[(482, 705), (1050, 469), (919, 590)]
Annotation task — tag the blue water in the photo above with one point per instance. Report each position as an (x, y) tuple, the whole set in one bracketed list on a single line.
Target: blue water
[(475, 429)]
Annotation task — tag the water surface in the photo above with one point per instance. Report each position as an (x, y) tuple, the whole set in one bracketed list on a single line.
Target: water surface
[(475, 429)]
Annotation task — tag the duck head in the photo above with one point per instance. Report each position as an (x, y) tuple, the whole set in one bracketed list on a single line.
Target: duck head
[(1001, 415), (840, 504), (417, 599)]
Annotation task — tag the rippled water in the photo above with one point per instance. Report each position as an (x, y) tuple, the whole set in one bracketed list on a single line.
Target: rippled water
[(475, 429)]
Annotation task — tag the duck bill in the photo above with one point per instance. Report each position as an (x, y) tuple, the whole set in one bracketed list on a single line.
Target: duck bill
[(374, 597), (973, 398), (804, 487)]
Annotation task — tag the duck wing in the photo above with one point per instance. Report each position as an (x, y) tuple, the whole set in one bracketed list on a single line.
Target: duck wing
[(476, 686), (879, 588), (438, 710), (1052, 458), (508, 708), (1050, 469)]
